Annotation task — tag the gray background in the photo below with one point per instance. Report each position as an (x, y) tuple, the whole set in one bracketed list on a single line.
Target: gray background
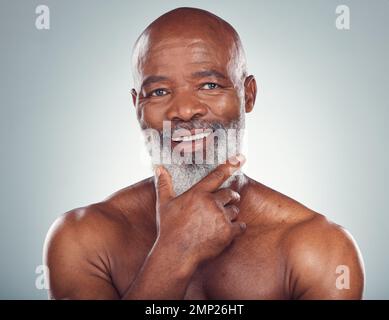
[(69, 135)]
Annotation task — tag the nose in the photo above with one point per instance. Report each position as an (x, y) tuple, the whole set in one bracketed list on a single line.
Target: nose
[(185, 107)]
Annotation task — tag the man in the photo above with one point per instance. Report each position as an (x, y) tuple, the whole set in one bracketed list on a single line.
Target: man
[(198, 231)]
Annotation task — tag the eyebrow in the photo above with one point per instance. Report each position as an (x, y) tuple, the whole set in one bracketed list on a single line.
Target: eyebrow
[(208, 73), (152, 79), (198, 74)]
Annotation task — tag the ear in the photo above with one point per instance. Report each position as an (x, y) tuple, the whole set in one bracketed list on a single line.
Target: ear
[(250, 93), (134, 95)]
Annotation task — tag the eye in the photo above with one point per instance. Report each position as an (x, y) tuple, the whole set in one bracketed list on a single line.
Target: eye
[(210, 86), (158, 93)]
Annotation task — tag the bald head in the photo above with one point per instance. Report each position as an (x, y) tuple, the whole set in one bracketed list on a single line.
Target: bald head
[(186, 19), (189, 26)]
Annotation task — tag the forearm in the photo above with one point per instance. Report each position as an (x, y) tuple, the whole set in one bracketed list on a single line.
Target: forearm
[(165, 275)]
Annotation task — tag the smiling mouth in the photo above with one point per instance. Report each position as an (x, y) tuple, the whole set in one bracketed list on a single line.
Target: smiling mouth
[(192, 137)]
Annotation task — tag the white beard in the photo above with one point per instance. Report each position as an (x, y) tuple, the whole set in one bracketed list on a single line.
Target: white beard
[(185, 175)]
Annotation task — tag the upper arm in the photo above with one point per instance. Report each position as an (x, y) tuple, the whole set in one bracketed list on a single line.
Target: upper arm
[(324, 262), (76, 264)]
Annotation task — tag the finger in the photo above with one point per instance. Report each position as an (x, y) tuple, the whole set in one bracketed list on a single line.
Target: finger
[(231, 212), (238, 228), (164, 185), (227, 195), (216, 178)]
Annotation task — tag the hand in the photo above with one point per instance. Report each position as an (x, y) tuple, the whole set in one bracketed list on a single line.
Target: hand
[(199, 223)]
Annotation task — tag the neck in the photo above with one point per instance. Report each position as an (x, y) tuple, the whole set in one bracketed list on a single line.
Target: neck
[(252, 199)]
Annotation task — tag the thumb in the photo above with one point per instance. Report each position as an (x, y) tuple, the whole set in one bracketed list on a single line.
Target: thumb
[(164, 185)]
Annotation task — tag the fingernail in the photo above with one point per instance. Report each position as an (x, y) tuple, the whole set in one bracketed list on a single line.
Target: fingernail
[(243, 226), (240, 158), (158, 172)]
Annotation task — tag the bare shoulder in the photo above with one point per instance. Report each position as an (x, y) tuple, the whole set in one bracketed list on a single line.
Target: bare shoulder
[(323, 260), (101, 222), (80, 243), (76, 257), (87, 226)]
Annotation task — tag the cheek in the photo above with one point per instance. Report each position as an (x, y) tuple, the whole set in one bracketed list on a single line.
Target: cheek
[(150, 116), (224, 106)]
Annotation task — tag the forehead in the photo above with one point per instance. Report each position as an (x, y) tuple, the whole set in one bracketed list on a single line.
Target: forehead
[(183, 53)]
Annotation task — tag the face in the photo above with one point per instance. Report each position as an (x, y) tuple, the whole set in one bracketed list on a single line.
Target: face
[(193, 83)]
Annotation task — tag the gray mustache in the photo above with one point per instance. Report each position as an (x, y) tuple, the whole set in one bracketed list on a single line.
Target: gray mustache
[(197, 124)]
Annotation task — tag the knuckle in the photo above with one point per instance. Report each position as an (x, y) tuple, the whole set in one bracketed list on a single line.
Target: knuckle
[(235, 209), (217, 174), (162, 183), (232, 194), (229, 192), (236, 195)]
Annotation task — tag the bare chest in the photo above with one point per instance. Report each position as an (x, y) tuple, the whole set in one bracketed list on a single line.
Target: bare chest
[(240, 274), (251, 267)]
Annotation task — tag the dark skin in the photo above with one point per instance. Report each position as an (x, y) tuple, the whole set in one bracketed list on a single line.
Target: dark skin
[(243, 242)]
